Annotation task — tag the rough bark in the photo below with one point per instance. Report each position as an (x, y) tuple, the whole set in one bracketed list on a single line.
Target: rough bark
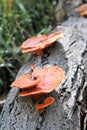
[(65, 114)]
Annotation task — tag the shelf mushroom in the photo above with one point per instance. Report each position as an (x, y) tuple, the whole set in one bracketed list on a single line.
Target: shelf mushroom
[(50, 78), (38, 43), (82, 10), (25, 82), (84, 14), (45, 81), (47, 102)]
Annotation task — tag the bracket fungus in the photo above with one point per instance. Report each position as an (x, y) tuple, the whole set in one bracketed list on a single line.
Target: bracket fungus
[(44, 81), (84, 14), (82, 10), (47, 102), (25, 82), (38, 43), (50, 78)]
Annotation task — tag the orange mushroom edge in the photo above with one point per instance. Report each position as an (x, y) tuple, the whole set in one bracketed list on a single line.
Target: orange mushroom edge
[(84, 14), (38, 43), (25, 82), (47, 102), (82, 10)]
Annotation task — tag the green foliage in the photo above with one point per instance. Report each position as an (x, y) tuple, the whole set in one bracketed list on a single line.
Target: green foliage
[(19, 20)]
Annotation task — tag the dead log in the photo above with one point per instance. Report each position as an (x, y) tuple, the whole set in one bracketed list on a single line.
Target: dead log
[(67, 113)]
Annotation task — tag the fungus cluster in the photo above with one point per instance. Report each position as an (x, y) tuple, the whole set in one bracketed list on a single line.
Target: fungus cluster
[(43, 80), (82, 10), (38, 43)]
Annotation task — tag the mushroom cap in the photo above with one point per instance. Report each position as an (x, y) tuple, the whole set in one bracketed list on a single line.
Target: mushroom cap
[(47, 102), (33, 42), (84, 14), (37, 44), (82, 8), (25, 82), (50, 78)]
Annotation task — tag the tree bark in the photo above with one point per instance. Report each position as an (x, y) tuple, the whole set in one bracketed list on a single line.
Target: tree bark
[(66, 113)]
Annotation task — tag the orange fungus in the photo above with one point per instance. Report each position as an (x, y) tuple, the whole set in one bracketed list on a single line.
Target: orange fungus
[(84, 14), (38, 43), (25, 82), (47, 102), (44, 81), (82, 10), (50, 78)]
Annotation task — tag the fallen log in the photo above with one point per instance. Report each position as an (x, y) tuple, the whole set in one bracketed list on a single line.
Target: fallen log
[(66, 113)]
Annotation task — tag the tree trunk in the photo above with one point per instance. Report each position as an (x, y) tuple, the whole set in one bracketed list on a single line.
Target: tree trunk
[(67, 112)]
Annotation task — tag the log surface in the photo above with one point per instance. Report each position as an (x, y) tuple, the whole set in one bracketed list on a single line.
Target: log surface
[(70, 53)]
